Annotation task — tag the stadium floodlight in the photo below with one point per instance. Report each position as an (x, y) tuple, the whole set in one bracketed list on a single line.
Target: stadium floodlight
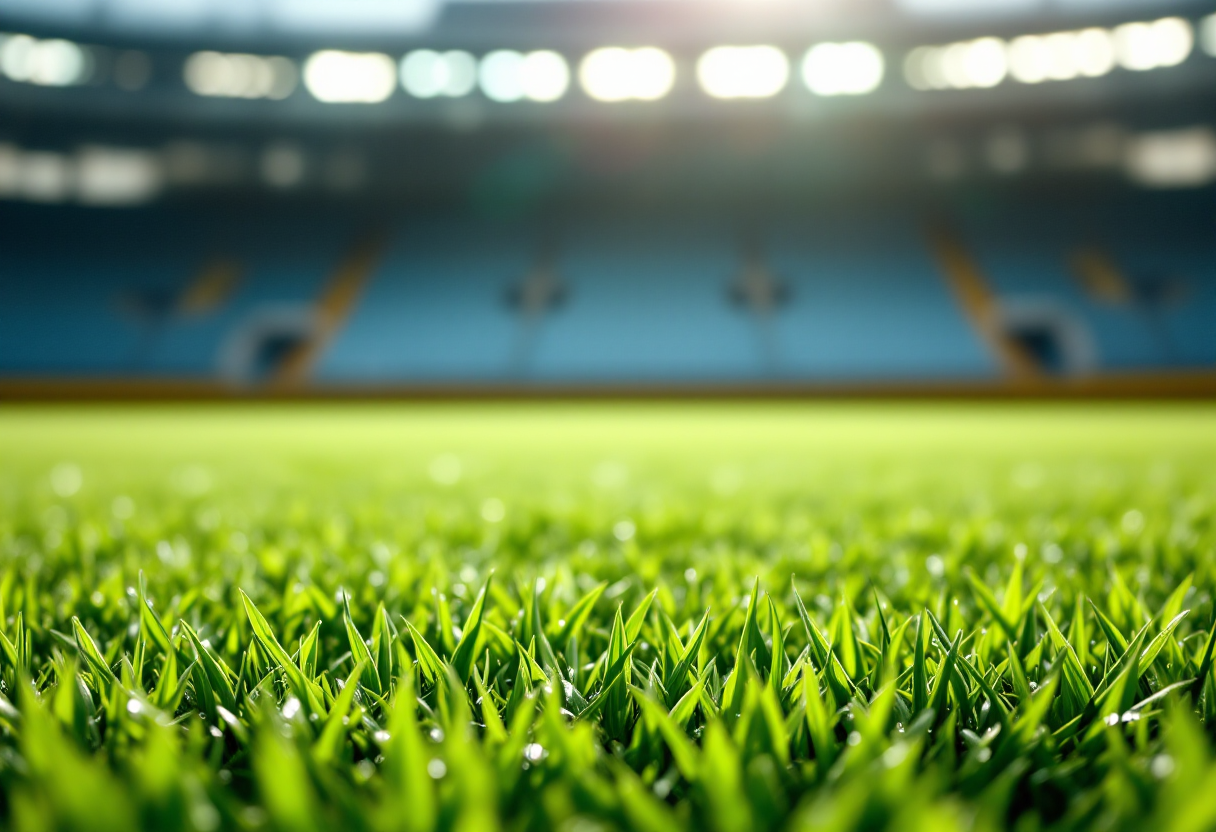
[(1162, 43), (1061, 63), (58, 63), (1136, 47), (842, 68), (284, 77), (500, 76), (1208, 36), (1172, 158), (1175, 39), (429, 74), (46, 176), (1037, 58), (506, 76), (606, 75), (282, 165), (336, 77), (10, 169), (1028, 59), (544, 76), (975, 64), (653, 73), (984, 63), (614, 73), (1054, 56), (952, 59), (215, 74), (1061, 56), (920, 69), (48, 63), (423, 73), (1093, 52), (17, 57), (117, 176), (743, 71)]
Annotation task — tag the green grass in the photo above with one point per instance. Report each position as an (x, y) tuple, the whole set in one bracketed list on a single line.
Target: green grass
[(650, 617)]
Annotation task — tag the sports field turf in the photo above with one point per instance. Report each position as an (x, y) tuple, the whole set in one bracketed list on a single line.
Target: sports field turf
[(584, 617)]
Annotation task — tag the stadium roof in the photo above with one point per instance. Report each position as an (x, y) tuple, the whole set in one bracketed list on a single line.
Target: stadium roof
[(307, 19)]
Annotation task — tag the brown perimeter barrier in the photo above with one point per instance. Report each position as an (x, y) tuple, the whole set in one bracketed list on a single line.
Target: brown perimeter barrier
[(1174, 385)]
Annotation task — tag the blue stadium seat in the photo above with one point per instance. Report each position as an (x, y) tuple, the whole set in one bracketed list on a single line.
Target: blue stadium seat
[(648, 301), (92, 293), (870, 302), (73, 285), (1024, 250), (436, 308), (283, 261), (859, 294)]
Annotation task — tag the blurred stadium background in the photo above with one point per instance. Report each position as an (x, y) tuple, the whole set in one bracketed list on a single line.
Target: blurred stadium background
[(234, 197)]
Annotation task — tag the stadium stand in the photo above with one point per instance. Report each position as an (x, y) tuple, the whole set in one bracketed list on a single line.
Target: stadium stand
[(1138, 284), (870, 302), (150, 293), (821, 296), (436, 307), (648, 301), (265, 196), (79, 298)]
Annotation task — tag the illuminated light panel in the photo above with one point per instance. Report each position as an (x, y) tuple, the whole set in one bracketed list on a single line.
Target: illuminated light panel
[(919, 66), (1054, 56), (430, 74), (219, 75), (1062, 56), (47, 63), (731, 72), (506, 76), (132, 70), (282, 165), (500, 76), (975, 64), (95, 176), (1093, 52), (950, 65), (1061, 65), (1029, 61), (1162, 43), (983, 63), (842, 68), (335, 77), (46, 177), (615, 74), (17, 57), (117, 176), (1172, 159), (1038, 58), (10, 170), (1208, 34), (545, 76)]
